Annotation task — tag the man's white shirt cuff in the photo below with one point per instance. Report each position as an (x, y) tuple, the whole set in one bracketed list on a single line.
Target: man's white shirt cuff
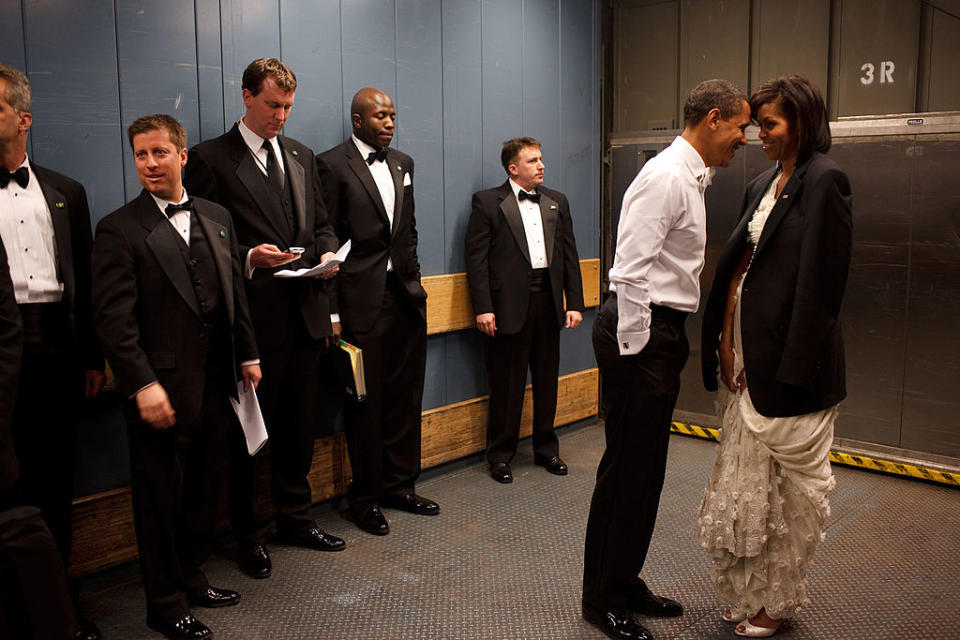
[(247, 267), (334, 317), (632, 343)]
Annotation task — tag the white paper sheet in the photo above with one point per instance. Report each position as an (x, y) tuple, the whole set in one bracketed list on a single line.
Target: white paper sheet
[(338, 258), (251, 419)]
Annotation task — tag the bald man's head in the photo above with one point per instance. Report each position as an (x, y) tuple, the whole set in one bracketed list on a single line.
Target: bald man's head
[(373, 116)]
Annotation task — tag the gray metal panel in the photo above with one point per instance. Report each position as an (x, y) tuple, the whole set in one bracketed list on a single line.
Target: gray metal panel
[(645, 65), (462, 124), (156, 44), (72, 58), (434, 380), (541, 80), (310, 41), (369, 49), (714, 43), (578, 162), (576, 347), (209, 69), (790, 36), (419, 102), (944, 63), (465, 371), (878, 33), (11, 43), (250, 29), (501, 74)]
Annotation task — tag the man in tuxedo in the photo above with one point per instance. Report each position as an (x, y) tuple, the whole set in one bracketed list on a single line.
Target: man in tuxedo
[(368, 188), (34, 601), (521, 260), (45, 225), (641, 347), (172, 315), (269, 184)]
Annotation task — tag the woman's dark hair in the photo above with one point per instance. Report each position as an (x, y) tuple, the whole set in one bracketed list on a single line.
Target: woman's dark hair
[(803, 107)]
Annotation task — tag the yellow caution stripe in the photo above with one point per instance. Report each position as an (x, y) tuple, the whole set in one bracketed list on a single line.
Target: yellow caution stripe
[(858, 460)]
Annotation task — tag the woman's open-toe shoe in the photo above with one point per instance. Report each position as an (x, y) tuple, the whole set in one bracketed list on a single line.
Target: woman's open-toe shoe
[(748, 630)]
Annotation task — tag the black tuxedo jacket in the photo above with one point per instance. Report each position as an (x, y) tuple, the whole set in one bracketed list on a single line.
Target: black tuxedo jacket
[(790, 304), (67, 202), (358, 215), (224, 171), (498, 257), (11, 345), (146, 309)]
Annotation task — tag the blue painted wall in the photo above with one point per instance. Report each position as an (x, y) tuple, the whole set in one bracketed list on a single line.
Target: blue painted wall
[(465, 75)]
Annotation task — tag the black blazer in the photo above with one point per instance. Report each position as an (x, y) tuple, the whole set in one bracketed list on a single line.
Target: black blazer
[(224, 171), (358, 215), (498, 257), (73, 238), (790, 304), (11, 346), (145, 306)]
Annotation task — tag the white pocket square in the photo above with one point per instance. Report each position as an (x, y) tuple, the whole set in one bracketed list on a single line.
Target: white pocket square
[(406, 180)]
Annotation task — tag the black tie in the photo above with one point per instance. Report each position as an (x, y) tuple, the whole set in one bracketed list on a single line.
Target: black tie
[(21, 175), (377, 156), (533, 197), (186, 205), (274, 174)]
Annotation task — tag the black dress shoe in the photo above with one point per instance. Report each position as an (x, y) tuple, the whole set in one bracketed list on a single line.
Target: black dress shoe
[(412, 503), (255, 561), (186, 628), (213, 598), (86, 630), (370, 520), (500, 471), (316, 539), (645, 602), (554, 465), (616, 624)]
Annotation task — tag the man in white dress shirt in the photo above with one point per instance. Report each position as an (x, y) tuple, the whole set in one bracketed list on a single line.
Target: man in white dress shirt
[(641, 348)]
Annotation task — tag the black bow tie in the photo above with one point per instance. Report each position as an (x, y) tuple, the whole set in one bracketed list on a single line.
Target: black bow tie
[(186, 205), (21, 175), (533, 197), (377, 156)]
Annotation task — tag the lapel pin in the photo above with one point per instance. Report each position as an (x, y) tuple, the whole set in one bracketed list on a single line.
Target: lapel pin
[(294, 152), (399, 168), (552, 207), (223, 234), (785, 196), (60, 204)]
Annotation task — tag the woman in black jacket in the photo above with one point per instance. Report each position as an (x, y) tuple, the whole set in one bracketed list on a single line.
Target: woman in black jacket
[(772, 325)]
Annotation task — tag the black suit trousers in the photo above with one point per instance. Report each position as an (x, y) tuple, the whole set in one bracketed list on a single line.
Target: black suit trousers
[(536, 345), (175, 480), (639, 395), (383, 432)]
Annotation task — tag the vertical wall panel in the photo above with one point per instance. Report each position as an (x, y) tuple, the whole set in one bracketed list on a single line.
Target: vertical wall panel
[(579, 159), (542, 106), (209, 69), (501, 76), (310, 40), (158, 69), (11, 43), (369, 49), (645, 65), (790, 36), (250, 29), (944, 89), (462, 113), (72, 57), (419, 103)]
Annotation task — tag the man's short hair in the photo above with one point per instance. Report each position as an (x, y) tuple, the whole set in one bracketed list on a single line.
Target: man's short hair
[(713, 94), (802, 104), (159, 122), (18, 88), (262, 68), (511, 149)]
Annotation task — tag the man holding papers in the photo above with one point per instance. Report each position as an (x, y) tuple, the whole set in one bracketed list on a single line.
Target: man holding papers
[(171, 313), (368, 189), (269, 184)]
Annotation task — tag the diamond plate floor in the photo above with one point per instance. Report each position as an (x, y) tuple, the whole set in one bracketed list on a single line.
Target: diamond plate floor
[(504, 561)]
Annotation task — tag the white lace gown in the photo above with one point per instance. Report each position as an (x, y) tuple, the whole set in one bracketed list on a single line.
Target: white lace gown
[(764, 508)]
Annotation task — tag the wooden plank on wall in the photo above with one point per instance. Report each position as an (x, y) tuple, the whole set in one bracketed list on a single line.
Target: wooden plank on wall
[(448, 297), (103, 534)]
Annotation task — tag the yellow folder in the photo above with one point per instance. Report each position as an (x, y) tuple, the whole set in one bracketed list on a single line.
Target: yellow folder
[(356, 365)]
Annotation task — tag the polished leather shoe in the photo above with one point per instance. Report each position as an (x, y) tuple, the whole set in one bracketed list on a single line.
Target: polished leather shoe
[(316, 539), (86, 630), (616, 624), (554, 465), (186, 628), (255, 561), (412, 503), (213, 598), (645, 602), (500, 471), (371, 520)]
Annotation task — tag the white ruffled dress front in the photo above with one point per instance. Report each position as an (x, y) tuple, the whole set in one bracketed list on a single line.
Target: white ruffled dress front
[(764, 508)]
